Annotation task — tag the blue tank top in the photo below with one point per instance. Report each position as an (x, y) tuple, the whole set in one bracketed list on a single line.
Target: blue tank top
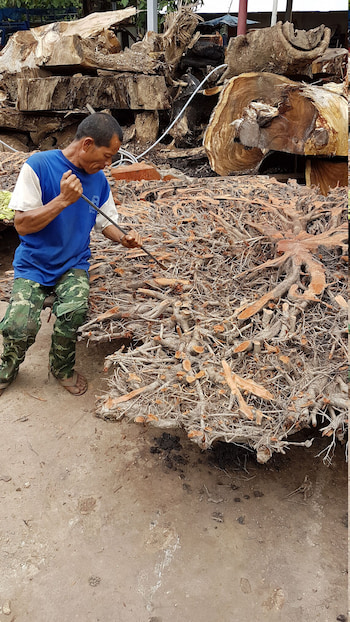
[(63, 244)]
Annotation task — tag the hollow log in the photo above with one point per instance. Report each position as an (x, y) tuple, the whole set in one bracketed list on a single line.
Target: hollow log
[(124, 91), (262, 112), (279, 49)]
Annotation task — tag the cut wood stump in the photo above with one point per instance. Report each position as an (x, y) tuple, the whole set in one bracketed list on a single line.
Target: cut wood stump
[(262, 112), (326, 173)]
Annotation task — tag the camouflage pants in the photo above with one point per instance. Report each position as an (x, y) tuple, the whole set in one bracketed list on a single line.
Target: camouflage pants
[(21, 322)]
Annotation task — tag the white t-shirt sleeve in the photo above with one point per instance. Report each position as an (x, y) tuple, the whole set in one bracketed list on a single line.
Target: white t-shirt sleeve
[(110, 209), (27, 192), (27, 196)]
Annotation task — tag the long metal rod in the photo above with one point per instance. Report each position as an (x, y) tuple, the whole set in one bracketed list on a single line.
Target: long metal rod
[(98, 209)]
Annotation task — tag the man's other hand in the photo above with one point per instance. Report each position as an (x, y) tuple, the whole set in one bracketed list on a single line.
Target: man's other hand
[(131, 240)]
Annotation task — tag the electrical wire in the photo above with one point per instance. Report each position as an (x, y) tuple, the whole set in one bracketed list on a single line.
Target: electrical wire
[(181, 111), (8, 146), (127, 155)]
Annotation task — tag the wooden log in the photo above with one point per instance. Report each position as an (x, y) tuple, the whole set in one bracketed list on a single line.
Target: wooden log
[(17, 141), (134, 60), (326, 174), (194, 153), (159, 53), (278, 49), (146, 126), (37, 125), (333, 63), (261, 112), (90, 43), (64, 43), (9, 83), (125, 91)]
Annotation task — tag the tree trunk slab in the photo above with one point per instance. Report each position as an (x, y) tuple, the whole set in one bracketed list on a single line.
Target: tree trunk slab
[(125, 91)]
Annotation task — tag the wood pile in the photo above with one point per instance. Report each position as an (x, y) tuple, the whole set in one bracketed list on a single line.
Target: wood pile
[(243, 339), (267, 105), (51, 75)]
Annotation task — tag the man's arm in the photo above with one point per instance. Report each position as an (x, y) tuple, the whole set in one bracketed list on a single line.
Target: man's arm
[(36, 219)]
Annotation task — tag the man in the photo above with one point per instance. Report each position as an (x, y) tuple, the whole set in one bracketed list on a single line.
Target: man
[(54, 225)]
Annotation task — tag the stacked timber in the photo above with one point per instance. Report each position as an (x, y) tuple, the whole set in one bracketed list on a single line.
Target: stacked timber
[(51, 75)]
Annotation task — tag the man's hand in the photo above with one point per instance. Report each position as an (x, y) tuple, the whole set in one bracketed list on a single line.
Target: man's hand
[(34, 220), (131, 240), (71, 188)]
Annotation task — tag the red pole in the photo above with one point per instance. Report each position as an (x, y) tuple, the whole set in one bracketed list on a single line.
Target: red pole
[(242, 17)]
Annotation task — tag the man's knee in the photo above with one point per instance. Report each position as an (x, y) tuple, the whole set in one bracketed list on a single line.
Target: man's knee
[(22, 318), (71, 304), (67, 324), (77, 317)]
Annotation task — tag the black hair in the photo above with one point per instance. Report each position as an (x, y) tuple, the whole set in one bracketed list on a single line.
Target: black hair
[(101, 127)]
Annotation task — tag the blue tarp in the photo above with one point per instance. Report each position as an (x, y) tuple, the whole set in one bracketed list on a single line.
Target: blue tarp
[(229, 20)]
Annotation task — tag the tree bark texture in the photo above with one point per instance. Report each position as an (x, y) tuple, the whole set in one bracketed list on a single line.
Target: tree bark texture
[(125, 91), (333, 62)]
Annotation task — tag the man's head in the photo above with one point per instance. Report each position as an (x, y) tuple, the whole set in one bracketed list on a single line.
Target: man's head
[(98, 138)]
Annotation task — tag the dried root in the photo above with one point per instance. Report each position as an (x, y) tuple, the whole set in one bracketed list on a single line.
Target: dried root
[(244, 339)]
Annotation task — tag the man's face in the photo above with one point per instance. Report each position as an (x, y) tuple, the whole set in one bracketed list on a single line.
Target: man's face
[(94, 159)]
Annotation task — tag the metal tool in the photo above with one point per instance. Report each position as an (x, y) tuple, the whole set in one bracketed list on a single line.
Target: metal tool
[(122, 230)]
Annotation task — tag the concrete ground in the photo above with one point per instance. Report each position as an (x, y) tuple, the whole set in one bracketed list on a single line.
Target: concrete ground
[(116, 522)]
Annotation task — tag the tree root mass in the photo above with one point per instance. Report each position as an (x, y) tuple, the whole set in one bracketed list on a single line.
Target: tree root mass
[(244, 339)]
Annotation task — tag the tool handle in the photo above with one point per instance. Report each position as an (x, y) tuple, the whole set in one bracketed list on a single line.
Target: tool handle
[(98, 209)]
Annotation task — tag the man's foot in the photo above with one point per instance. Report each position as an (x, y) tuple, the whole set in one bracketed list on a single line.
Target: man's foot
[(76, 384)]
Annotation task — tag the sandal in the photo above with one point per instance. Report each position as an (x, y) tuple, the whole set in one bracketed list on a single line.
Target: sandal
[(76, 384)]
